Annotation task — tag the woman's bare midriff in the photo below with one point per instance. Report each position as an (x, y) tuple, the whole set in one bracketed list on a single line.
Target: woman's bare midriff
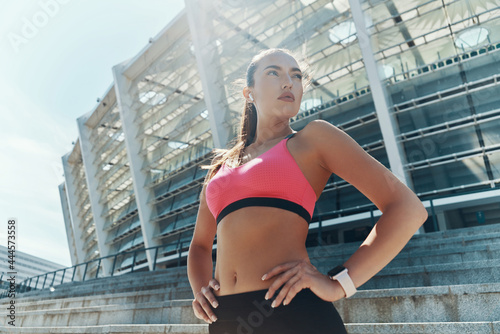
[(253, 240)]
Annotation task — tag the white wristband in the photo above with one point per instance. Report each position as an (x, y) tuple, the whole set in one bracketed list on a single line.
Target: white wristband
[(346, 282)]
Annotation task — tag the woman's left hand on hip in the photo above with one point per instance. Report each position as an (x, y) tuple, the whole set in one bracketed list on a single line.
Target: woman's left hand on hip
[(294, 276)]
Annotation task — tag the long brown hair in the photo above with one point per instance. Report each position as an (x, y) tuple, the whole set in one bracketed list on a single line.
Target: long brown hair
[(248, 123)]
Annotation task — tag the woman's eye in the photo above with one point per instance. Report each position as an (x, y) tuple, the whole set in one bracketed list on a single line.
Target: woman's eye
[(272, 73), (298, 76)]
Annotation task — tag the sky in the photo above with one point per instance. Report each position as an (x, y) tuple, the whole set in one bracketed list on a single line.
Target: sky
[(56, 59)]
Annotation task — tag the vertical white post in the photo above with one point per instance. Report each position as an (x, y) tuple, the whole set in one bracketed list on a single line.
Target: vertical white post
[(71, 192), (139, 177), (89, 159), (381, 99), (70, 235), (207, 58), (380, 96)]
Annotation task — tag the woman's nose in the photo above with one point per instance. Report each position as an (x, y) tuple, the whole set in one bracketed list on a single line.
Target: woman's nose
[(287, 82)]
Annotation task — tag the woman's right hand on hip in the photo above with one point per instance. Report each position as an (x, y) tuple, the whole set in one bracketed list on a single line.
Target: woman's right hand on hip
[(205, 300)]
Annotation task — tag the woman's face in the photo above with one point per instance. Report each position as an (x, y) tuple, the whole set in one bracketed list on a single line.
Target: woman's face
[(278, 86)]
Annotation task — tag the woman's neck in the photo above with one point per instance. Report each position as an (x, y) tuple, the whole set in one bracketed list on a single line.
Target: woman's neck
[(269, 132)]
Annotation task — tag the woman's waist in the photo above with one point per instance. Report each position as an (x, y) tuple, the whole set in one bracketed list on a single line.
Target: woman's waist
[(240, 282), (246, 275)]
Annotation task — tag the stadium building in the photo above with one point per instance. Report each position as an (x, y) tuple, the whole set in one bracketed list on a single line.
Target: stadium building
[(416, 83)]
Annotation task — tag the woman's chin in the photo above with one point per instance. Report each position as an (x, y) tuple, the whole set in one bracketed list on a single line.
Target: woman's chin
[(289, 111)]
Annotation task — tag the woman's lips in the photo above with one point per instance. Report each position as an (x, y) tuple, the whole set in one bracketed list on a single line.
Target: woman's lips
[(287, 97)]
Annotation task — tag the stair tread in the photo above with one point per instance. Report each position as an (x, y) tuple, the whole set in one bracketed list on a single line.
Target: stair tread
[(486, 327)]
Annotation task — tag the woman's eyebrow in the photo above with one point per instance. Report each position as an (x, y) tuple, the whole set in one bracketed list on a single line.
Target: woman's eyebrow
[(276, 67)]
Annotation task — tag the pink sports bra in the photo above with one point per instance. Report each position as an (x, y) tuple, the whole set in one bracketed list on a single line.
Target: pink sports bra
[(273, 179)]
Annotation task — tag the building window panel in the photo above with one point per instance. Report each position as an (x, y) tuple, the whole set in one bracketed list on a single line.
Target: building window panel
[(350, 198), (491, 133), (328, 202), (186, 219), (366, 134), (486, 99), (341, 117), (451, 175), (429, 147), (167, 224), (164, 206), (186, 197), (494, 160), (434, 114)]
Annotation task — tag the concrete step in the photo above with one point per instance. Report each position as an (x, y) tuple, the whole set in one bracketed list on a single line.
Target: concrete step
[(492, 327), (95, 290), (451, 254), (121, 298), (164, 312), (474, 272), (414, 245), (110, 329), (452, 303), (484, 229), (463, 303), (459, 240)]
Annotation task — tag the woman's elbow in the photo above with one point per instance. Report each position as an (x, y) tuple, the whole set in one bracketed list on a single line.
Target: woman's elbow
[(418, 211), (422, 215)]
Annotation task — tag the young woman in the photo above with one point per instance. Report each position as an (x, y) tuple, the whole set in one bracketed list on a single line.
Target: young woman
[(259, 197)]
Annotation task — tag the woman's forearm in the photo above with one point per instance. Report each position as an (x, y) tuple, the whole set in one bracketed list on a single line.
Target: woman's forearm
[(199, 267), (393, 230)]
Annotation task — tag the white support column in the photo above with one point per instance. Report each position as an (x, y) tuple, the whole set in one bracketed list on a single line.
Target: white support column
[(73, 211), (133, 145), (70, 235), (380, 96), (381, 99), (91, 170), (207, 58)]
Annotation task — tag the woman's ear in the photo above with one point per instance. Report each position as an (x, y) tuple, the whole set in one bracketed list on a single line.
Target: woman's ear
[(248, 95)]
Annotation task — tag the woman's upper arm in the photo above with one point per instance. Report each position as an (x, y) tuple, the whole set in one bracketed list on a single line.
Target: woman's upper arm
[(206, 227), (338, 153)]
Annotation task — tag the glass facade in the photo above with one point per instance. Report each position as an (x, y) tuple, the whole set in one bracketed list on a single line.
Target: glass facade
[(437, 63)]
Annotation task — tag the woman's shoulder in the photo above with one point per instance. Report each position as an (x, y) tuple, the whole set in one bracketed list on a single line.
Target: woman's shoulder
[(316, 132)]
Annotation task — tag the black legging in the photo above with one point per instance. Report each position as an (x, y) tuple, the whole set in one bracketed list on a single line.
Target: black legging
[(250, 313)]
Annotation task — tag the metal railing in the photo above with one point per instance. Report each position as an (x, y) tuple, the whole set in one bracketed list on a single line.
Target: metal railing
[(121, 263)]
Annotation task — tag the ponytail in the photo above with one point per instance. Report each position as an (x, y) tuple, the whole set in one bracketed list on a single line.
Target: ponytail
[(246, 136)]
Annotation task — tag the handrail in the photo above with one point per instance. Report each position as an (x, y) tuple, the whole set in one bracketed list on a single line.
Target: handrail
[(68, 274)]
